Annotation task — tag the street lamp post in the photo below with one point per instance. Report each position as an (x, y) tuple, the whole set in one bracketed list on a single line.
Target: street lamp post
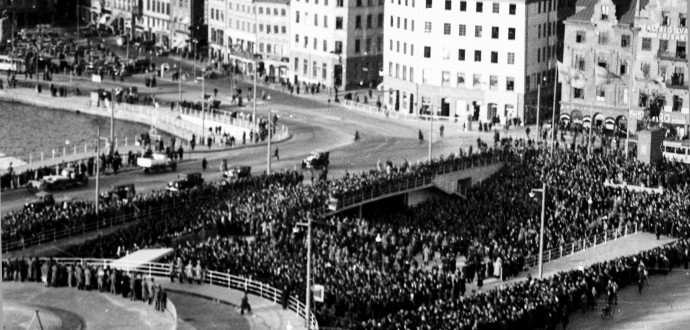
[(194, 57), (270, 135), (541, 226), (307, 306)]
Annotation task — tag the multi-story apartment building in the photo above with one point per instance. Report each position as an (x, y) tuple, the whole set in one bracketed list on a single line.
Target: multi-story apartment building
[(244, 32), (122, 13), (273, 39), (156, 22), (627, 62), (470, 60), (336, 42), (28, 13), (189, 23)]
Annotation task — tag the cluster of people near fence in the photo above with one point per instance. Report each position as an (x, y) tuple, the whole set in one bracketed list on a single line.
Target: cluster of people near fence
[(134, 285)]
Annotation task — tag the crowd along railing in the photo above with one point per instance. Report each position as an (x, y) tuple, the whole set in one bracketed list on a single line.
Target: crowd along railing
[(580, 245), (211, 277), (339, 202), (11, 242)]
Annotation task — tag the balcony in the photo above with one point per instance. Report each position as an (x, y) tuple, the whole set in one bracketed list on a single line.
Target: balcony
[(677, 81), (668, 56)]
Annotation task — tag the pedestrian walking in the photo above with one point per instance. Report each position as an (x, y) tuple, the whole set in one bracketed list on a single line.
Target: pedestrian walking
[(204, 163), (276, 154)]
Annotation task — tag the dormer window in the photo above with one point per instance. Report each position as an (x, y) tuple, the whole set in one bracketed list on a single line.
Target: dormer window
[(604, 12), (665, 19)]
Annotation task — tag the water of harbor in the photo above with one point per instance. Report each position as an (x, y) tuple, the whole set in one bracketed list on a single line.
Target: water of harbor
[(26, 129)]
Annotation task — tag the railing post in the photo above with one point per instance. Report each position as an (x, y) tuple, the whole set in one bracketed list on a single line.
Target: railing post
[(573, 246), (53, 153), (606, 234), (635, 226), (626, 230)]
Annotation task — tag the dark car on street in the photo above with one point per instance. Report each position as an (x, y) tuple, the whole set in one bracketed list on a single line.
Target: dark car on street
[(186, 181), (316, 160)]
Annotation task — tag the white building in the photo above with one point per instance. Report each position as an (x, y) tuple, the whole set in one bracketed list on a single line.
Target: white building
[(156, 22), (273, 39), (470, 60), (336, 42)]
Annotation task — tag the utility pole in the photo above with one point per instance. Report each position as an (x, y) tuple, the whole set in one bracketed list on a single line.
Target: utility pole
[(308, 304), (553, 110), (112, 126), (203, 105), (538, 110), (179, 87), (256, 71), (98, 166), (431, 129), (270, 135), (78, 4), (541, 231), (2, 319)]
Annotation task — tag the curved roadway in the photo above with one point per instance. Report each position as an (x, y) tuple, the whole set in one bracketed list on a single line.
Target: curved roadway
[(313, 124)]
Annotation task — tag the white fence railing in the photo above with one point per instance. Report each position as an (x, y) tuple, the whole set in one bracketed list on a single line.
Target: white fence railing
[(211, 277), (583, 244)]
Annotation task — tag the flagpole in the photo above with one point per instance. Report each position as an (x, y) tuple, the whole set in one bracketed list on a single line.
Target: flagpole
[(553, 114)]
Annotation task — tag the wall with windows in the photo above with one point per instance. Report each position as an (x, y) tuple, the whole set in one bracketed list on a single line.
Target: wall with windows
[(336, 42), (464, 59)]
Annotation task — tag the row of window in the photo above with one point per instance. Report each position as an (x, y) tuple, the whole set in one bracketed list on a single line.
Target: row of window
[(546, 30), (369, 44), (282, 29), (546, 53), (275, 11), (358, 3), (401, 71), (339, 21), (494, 58), (479, 6), (315, 68), (158, 7)]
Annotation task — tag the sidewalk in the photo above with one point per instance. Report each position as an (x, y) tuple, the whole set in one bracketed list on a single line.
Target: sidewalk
[(268, 314)]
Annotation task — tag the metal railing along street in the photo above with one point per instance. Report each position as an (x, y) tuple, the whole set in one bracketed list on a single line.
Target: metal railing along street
[(219, 279)]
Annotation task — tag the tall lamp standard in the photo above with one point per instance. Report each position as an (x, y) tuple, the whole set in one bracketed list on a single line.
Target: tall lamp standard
[(532, 194), (307, 306)]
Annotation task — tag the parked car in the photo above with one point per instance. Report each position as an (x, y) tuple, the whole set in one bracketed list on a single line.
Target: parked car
[(186, 181), (236, 172), (316, 160), (68, 178), (121, 193)]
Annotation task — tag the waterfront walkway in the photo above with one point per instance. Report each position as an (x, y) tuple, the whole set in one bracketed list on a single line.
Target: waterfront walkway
[(166, 120)]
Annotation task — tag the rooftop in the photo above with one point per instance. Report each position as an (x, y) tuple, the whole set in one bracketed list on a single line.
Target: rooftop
[(625, 10)]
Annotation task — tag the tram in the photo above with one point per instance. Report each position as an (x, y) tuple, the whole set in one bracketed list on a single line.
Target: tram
[(678, 151)]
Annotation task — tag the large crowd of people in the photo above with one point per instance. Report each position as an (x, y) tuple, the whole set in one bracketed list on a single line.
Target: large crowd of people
[(410, 269)]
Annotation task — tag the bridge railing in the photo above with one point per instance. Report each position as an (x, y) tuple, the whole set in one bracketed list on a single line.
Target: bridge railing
[(414, 182), (581, 245), (211, 277)]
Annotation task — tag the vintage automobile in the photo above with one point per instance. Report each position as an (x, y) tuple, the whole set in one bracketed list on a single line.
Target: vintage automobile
[(236, 172), (68, 178), (185, 181), (156, 162), (42, 200), (120, 193), (316, 160)]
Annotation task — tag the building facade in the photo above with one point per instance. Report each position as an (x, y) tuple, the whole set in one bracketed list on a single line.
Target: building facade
[(468, 60), (189, 23), (273, 40), (157, 22), (627, 62), (337, 43)]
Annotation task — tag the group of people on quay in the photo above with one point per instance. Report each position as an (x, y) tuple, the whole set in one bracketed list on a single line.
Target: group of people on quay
[(82, 276), (413, 268)]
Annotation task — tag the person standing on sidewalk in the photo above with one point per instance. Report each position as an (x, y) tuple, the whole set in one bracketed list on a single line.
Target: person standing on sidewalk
[(204, 163)]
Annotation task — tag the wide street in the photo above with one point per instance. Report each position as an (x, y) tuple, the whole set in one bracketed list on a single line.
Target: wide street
[(313, 124)]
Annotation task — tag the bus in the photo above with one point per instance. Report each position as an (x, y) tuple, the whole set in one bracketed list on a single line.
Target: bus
[(678, 151), (8, 63)]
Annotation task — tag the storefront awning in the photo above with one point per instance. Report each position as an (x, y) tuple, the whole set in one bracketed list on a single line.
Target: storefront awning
[(609, 123), (179, 43), (111, 20)]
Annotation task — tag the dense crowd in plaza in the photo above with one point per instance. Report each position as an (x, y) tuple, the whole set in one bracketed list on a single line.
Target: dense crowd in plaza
[(411, 269)]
